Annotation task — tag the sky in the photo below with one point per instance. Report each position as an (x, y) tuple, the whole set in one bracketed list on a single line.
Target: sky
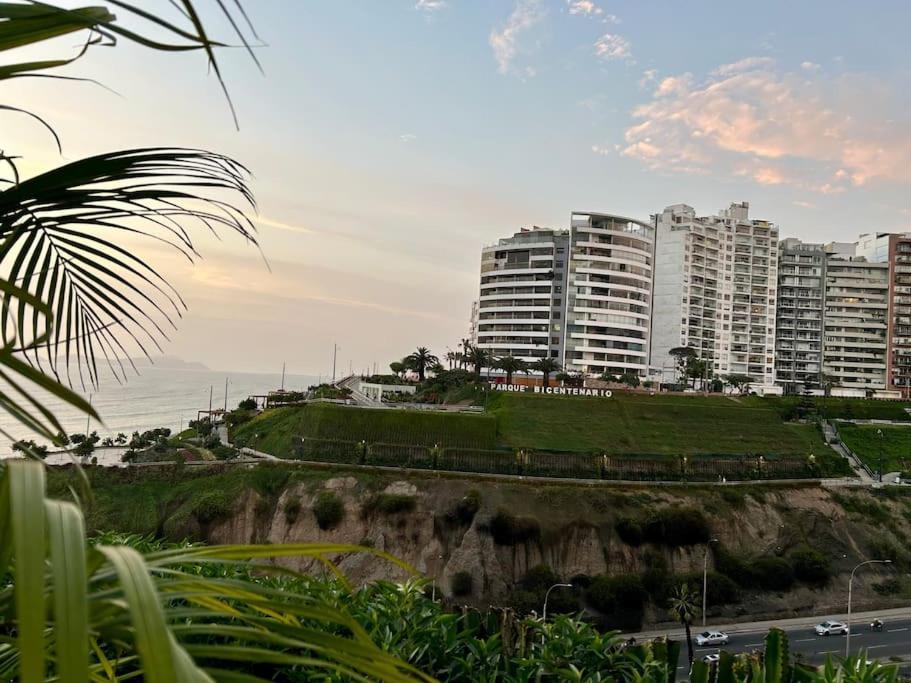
[(389, 141)]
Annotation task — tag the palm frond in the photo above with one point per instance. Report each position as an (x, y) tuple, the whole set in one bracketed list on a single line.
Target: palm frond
[(59, 233)]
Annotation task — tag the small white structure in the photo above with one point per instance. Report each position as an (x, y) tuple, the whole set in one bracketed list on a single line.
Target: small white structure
[(376, 392)]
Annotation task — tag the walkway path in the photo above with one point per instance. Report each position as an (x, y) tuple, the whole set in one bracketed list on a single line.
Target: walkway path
[(836, 445), (351, 382)]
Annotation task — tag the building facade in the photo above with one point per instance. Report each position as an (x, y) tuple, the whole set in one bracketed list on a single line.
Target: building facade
[(608, 295), (715, 290), (855, 322), (520, 303), (799, 315)]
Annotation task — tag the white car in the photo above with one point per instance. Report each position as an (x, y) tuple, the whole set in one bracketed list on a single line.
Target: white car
[(712, 658), (828, 628), (712, 638)]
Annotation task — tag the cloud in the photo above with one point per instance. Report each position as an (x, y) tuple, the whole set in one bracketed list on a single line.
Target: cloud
[(611, 46), (408, 137), (287, 227), (748, 114), (649, 76), (803, 204), (586, 7), (810, 66), (602, 151), (430, 5), (506, 42)]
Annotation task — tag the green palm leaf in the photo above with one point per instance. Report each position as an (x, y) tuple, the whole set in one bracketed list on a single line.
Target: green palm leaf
[(59, 233)]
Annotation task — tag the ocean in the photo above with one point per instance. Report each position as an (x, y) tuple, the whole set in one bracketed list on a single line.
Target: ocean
[(157, 397)]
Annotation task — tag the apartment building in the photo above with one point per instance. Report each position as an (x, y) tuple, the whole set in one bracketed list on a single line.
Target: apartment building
[(609, 282), (520, 304), (799, 315), (715, 290), (894, 249), (855, 321)]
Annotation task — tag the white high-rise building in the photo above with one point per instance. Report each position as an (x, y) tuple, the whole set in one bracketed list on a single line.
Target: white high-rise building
[(715, 289), (520, 307), (608, 301)]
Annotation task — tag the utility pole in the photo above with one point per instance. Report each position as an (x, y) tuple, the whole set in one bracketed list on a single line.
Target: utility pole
[(89, 417), (210, 401), (226, 394), (283, 375), (334, 358)]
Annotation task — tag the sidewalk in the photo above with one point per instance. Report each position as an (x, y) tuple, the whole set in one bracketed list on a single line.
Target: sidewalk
[(763, 626)]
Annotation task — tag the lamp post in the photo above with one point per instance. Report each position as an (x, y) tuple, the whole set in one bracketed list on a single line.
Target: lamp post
[(705, 576), (850, 587), (879, 433), (547, 595)]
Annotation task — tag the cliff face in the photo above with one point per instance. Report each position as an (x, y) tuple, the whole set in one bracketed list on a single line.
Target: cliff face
[(575, 534)]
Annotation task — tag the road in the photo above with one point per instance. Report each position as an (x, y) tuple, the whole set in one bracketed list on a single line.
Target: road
[(893, 641), (891, 644)]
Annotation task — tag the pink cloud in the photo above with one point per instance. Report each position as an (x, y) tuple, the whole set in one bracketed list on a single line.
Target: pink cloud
[(749, 113)]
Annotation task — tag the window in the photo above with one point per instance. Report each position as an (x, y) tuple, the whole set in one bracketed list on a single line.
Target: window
[(557, 315), (556, 302)]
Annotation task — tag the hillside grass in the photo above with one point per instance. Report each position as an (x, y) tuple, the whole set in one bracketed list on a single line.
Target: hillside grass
[(629, 424), (864, 441), (845, 408), (276, 431)]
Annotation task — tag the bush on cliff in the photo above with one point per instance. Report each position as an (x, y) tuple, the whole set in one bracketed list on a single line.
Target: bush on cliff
[(676, 526), (811, 566), (328, 509), (507, 529)]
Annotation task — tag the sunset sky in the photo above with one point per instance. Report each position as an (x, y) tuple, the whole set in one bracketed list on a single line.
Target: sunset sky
[(390, 140)]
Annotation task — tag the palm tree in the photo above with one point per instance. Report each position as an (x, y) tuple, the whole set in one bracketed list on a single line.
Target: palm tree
[(509, 365), (420, 360), (546, 366), (451, 358), (479, 358), (683, 608)]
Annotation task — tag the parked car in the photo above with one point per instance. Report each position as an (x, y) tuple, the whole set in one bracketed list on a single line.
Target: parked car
[(712, 638), (712, 658), (828, 628)]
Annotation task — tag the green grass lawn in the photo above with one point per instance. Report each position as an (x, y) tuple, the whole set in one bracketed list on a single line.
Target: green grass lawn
[(275, 431), (636, 423), (846, 408), (864, 441)]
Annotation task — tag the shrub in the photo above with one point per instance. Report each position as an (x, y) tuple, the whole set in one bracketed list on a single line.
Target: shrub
[(892, 586), (620, 597), (507, 529), (721, 590), (811, 566), (539, 578), (211, 505), (676, 526), (733, 567), (389, 504), (292, 509), (269, 480), (328, 509), (772, 573), (461, 584), (465, 510), (629, 530), (247, 404)]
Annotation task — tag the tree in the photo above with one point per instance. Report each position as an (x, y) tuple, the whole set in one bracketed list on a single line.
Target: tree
[(398, 367), (739, 382), (120, 439), (683, 608), (30, 449), (86, 446), (630, 379), (546, 366), (681, 355), (479, 358), (247, 404), (510, 365), (420, 360), (698, 368)]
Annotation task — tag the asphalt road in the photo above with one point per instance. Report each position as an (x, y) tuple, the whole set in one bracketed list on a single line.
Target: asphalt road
[(893, 641)]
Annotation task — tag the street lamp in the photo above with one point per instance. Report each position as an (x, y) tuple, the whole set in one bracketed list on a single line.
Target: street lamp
[(547, 595), (705, 576), (879, 433), (850, 587)]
